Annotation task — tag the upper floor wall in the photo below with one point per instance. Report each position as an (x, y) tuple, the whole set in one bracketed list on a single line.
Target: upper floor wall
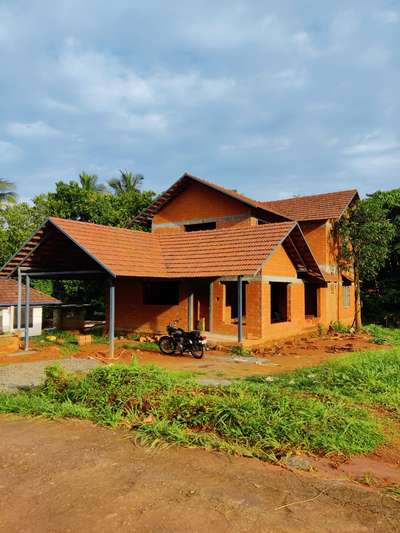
[(199, 204)]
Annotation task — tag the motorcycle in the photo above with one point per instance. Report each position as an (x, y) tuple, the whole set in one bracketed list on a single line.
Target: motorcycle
[(182, 341)]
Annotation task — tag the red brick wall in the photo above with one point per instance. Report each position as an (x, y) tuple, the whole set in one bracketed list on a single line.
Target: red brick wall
[(199, 202), (132, 315)]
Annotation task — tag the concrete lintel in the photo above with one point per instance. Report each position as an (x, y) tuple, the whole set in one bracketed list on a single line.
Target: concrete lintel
[(281, 279), (234, 278), (227, 218)]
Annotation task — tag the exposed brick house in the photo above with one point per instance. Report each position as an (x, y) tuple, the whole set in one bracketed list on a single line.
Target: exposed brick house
[(204, 243)]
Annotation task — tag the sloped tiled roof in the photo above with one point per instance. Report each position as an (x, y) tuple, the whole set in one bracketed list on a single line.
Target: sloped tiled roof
[(131, 253), (9, 294), (299, 208), (313, 207), (224, 252), (123, 252)]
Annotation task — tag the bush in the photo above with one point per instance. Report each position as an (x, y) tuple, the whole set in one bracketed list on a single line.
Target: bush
[(240, 351), (263, 419), (338, 327)]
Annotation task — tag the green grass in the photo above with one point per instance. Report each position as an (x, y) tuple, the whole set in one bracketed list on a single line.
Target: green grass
[(327, 409), (152, 346), (251, 419), (339, 327), (240, 351), (381, 335), (393, 491), (69, 343), (68, 347), (368, 378)]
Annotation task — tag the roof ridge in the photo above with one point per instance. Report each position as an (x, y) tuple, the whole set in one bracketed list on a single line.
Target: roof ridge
[(300, 196)]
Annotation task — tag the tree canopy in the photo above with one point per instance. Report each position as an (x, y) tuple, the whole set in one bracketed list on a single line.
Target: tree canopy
[(367, 239), (7, 191), (126, 183), (84, 199)]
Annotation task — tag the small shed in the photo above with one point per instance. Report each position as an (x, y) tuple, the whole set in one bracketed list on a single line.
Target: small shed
[(8, 307)]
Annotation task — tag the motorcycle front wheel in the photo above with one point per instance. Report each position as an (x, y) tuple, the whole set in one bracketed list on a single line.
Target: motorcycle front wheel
[(167, 345), (197, 351)]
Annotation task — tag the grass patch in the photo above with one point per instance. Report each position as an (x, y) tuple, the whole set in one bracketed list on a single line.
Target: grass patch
[(381, 335), (369, 378), (393, 491), (339, 327), (240, 351), (67, 341), (151, 346), (64, 340), (248, 418)]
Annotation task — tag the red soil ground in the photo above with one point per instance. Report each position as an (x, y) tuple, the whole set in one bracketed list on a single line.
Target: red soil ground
[(72, 476)]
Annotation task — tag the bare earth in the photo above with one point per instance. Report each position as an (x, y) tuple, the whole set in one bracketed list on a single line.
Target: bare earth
[(72, 476)]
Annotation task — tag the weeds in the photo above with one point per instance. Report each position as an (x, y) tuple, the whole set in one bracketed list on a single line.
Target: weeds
[(324, 409), (382, 335), (240, 351), (247, 418), (338, 327), (151, 346), (393, 491), (370, 378)]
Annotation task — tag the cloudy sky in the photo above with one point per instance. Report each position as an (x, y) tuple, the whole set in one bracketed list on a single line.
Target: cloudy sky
[(270, 98)]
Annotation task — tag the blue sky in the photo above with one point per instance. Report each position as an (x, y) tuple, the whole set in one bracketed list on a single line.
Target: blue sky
[(270, 98)]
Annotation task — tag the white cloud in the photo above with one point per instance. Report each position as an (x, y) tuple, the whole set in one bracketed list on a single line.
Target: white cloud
[(147, 122), (375, 156), (9, 152), (59, 105), (302, 42), (32, 130), (372, 143), (289, 79), (256, 143), (101, 83), (345, 25), (381, 166), (376, 56), (388, 16), (235, 27)]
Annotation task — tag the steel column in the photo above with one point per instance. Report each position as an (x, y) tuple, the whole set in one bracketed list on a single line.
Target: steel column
[(27, 295), (240, 309), (211, 308), (19, 300), (190, 311), (111, 310)]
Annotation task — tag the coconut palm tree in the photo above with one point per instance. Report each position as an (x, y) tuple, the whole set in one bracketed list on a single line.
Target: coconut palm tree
[(126, 183), (7, 191), (89, 182)]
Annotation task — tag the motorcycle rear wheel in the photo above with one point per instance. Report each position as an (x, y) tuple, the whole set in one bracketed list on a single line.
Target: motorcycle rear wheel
[(167, 345), (197, 351)]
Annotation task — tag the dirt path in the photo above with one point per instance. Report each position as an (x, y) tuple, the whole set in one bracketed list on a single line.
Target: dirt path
[(71, 476), (13, 377)]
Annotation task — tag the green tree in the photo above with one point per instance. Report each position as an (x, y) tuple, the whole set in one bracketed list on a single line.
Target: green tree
[(381, 295), (89, 182), (364, 236), (7, 191), (17, 223), (75, 201), (126, 183)]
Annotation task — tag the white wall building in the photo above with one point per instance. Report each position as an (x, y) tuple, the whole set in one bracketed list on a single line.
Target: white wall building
[(8, 307)]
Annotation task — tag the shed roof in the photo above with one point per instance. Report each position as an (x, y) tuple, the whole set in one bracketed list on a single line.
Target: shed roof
[(9, 294)]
